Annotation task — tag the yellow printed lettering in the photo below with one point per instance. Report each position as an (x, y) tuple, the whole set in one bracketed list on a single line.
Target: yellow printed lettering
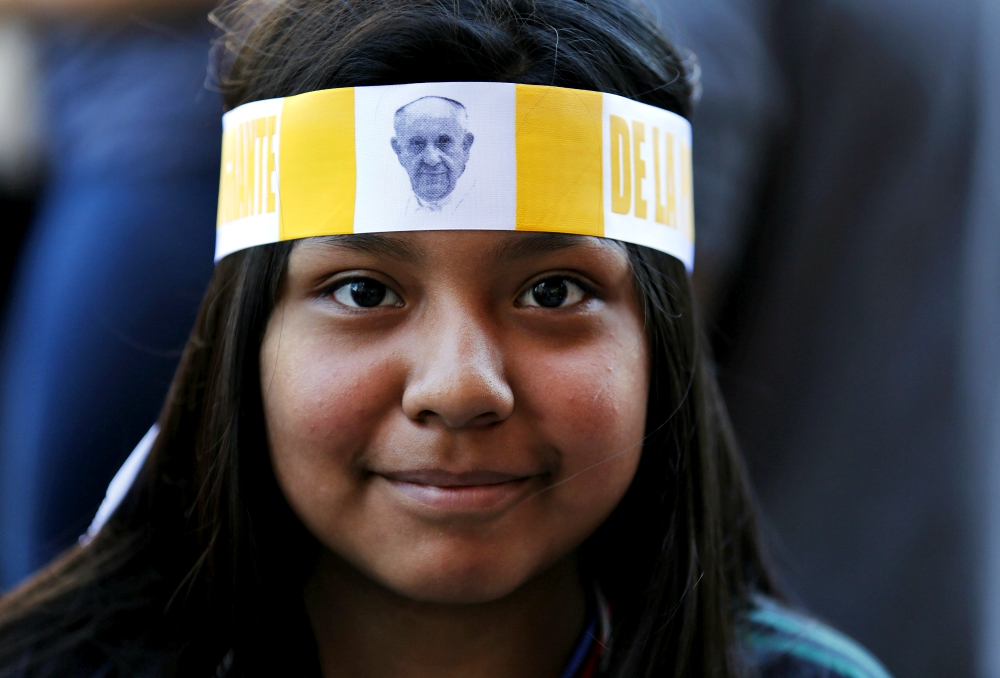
[(638, 137), (271, 130), (234, 174), (621, 167), (686, 191), (660, 213), (249, 173), (666, 210), (260, 165), (243, 173), (226, 181), (258, 175), (248, 183)]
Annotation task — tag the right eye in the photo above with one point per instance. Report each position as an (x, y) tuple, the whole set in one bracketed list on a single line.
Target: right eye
[(554, 292), (365, 293)]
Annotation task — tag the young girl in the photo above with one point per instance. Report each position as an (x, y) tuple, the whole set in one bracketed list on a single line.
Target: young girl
[(430, 422)]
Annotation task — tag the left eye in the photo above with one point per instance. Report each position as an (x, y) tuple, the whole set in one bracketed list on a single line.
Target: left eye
[(365, 293), (552, 293)]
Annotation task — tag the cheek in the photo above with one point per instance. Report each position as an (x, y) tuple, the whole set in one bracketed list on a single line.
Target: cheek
[(590, 404), (321, 406), (313, 396)]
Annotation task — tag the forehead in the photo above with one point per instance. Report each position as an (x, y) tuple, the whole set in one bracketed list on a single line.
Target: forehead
[(429, 113), (492, 246)]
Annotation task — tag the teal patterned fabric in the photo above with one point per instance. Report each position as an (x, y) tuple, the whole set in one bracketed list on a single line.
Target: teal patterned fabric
[(786, 644)]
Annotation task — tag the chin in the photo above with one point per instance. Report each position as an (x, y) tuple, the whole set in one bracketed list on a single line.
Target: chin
[(433, 190), (458, 583), (453, 592)]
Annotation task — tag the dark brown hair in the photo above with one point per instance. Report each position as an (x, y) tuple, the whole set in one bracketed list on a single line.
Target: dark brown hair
[(203, 563)]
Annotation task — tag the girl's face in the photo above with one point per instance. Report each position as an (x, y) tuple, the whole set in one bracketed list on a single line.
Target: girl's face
[(452, 413)]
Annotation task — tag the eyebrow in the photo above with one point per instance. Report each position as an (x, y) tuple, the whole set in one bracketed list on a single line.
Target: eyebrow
[(524, 246), (534, 244), (373, 243)]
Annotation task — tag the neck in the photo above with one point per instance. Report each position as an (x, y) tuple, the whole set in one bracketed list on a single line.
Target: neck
[(363, 630)]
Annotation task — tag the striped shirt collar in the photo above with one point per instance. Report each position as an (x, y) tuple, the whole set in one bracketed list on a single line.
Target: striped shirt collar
[(593, 649)]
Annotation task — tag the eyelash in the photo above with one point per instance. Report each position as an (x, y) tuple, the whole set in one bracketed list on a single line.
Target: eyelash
[(332, 291), (588, 290)]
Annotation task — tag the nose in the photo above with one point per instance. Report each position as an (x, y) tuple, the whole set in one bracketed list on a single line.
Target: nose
[(432, 155), (457, 378)]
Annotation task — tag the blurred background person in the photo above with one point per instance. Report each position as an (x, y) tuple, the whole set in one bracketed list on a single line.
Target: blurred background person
[(845, 158), (115, 263), (19, 140), (980, 368)]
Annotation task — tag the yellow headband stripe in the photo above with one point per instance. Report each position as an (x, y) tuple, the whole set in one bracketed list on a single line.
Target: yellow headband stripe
[(443, 156)]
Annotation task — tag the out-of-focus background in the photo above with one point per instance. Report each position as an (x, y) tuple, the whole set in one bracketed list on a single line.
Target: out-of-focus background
[(847, 181), (20, 140)]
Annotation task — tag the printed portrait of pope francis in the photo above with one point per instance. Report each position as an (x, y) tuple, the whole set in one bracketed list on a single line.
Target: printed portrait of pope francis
[(432, 142)]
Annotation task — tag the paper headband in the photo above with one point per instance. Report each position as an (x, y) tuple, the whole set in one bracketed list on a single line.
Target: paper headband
[(455, 156)]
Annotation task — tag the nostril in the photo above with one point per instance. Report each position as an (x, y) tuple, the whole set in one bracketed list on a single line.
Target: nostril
[(480, 420), (458, 419), (485, 419)]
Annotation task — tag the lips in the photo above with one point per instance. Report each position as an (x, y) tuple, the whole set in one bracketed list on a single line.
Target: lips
[(470, 492)]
